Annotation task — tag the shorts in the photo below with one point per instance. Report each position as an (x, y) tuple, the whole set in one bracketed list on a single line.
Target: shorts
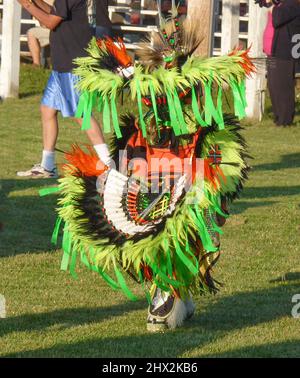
[(41, 34), (61, 94)]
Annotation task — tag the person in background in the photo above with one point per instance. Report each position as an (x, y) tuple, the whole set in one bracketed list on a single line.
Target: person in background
[(281, 64), (103, 22), (99, 18), (37, 38), (268, 33), (69, 37)]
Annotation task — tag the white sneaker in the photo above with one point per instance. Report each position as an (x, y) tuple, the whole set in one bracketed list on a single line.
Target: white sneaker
[(37, 171), (165, 312)]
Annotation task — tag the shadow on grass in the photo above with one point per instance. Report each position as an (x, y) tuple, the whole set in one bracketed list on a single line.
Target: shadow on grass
[(274, 350), (241, 206), (260, 193), (270, 191), (286, 161), (27, 220), (29, 94), (290, 276), (66, 318), (228, 314)]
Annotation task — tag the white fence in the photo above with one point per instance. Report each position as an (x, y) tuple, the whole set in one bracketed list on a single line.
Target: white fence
[(24, 21), (231, 25), (241, 23), (10, 49)]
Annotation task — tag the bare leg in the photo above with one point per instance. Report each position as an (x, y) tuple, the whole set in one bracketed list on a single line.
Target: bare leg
[(50, 127), (46, 169), (34, 48), (96, 137), (94, 133)]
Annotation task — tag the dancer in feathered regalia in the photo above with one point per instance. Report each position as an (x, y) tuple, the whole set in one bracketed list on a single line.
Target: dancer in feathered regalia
[(156, 216)]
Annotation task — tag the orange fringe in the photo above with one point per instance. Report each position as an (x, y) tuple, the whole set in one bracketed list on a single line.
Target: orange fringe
[(117, 49), (246, 62), (85, 164)]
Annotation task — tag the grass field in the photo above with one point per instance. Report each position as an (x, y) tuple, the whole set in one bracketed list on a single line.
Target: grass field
[(51, 315)]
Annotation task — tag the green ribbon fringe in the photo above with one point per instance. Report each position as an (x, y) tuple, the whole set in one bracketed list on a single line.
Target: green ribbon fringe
[(48, 191), (154, 106), (107, 105), (196, 111), (239, 98), (140, 107)]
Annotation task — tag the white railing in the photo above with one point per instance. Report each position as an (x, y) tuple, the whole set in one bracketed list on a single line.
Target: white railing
[(23, 37), (125, 9), (112, 9), (230, 36), (230, 21)]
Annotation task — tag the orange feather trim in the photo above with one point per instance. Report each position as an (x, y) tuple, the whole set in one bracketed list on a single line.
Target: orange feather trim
[(117, 49), (86, 164), (246, 62)]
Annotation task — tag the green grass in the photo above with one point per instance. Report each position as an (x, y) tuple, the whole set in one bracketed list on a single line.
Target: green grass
[(51, 315)]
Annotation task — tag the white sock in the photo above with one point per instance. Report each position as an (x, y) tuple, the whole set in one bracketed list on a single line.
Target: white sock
[(103, 153), (48, 160)]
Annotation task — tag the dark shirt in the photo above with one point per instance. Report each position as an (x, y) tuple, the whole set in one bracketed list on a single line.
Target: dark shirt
[(286, 21), (102, 18), (70, 39)]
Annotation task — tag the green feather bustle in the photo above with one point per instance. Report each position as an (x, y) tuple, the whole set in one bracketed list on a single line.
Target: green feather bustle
[(170, 254)]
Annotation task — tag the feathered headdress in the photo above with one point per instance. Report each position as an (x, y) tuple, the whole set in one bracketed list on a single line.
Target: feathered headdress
[(172, 44)]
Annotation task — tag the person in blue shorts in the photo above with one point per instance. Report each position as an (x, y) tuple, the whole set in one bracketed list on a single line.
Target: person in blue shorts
[(69, 36)]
